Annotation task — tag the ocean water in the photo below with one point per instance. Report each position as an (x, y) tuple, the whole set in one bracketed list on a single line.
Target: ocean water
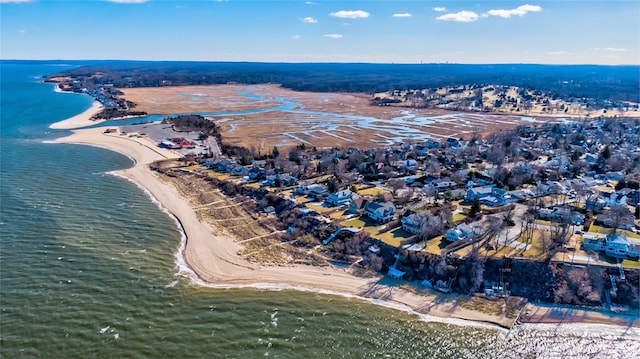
[(88, 269)]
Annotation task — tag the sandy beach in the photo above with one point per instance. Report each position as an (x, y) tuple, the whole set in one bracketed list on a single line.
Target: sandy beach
[(213, 260), (80, 120)]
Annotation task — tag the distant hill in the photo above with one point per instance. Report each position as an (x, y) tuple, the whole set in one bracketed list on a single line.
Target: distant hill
[(591, 81)]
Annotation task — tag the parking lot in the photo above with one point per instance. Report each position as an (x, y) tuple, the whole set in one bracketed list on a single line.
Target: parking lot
[(158, 132)]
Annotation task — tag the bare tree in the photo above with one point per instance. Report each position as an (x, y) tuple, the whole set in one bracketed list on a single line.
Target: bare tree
[(395, 184), (618, 214)]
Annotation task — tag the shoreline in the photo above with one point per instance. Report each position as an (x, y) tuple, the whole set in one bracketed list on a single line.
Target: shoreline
[(211, 260), (80, 120)]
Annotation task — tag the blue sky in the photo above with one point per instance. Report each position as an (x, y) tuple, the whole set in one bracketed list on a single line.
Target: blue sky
[(383, 31)]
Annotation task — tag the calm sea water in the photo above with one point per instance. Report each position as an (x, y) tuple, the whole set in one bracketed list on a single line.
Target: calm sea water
[(88, 269)]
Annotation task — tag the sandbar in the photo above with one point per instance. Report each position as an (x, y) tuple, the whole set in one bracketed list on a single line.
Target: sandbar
[(213, 259)]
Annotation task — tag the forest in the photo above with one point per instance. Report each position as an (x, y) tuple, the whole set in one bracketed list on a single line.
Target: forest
[(614, 83)]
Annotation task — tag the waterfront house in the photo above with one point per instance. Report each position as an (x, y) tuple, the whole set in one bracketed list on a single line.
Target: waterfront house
[(614, 244), (395, 273), (411, 222), (461, 231), (380, 212)]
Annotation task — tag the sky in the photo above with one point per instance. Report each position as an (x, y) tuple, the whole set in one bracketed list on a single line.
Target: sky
[(381, 31)]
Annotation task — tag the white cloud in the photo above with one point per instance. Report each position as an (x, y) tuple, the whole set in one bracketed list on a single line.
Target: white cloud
[(462, 16), (405, 14), (14, 1), (519, 11), (558, 53), (439, 9), (333, 36), (350, 14), (309, 20), (295, 37), (22, 31), (128, 1), (310, 3), (616, 49)]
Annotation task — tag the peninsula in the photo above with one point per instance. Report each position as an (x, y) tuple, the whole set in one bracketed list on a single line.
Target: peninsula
[(423, 199)]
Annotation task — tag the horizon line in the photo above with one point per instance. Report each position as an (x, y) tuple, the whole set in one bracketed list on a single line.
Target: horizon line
[(319, 62)]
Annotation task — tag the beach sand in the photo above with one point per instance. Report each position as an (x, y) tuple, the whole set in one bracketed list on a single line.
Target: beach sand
[(80, 120), (214, 261)]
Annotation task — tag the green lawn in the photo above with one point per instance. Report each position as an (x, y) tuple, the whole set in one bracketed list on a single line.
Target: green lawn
[(458, 217), (373, 191), (630, 264), (338, 214), (393, 237), (436, 244), (320, 208), (602, 230), (356, 223)]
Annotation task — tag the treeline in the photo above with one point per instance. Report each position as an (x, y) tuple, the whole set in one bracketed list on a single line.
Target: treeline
[(591, 81), (197, 123)]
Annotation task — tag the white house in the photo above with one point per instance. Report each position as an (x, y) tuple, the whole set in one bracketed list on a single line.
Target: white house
[(315, 189), (615, 245), (459, 232), (340, 198), (380, 212), (411, 223)]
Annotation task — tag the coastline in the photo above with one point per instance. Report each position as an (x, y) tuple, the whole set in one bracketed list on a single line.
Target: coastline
[(80, 120), (212, 260)]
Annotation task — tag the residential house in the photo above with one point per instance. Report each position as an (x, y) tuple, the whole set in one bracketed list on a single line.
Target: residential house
[(459, 232), (595, 203), (240, 171), (380, 212), (452, 142), (489, 196), (633, 198), (443, 184), (222, 166), (477, 193), (314, 190), (257, 173), (279, 181), (408, 165), (561, 214), (411, 222), (614, 244), (614, 198), (607, 220), (615, 176), (358, 204), (339, 198)]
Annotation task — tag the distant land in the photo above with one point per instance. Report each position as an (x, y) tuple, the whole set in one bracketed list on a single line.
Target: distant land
[(614, 83)]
